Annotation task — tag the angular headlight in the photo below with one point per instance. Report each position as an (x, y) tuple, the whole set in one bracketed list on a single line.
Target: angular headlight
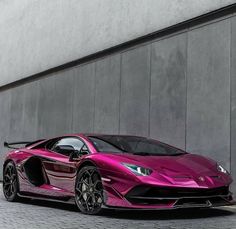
[(138, 170), (221, 169)]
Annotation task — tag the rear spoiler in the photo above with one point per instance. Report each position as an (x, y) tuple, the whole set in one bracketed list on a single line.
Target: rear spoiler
[(26, 144)]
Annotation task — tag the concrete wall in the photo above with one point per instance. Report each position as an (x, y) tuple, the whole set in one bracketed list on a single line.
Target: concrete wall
[(40, 34), (180, 89)]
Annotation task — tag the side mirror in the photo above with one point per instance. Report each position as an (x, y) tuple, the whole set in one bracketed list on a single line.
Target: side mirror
[(74, 156), (84, 150), (64, 149)]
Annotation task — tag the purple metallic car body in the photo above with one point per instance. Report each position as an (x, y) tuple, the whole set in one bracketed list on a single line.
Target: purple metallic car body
[(174, 181)]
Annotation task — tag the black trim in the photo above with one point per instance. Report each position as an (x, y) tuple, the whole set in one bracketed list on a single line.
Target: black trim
[(157, 192), (180, 197), (68, 200), (126, 45), (26, 144)]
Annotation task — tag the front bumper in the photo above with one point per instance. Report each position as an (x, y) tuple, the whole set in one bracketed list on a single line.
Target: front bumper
[(148, 197)]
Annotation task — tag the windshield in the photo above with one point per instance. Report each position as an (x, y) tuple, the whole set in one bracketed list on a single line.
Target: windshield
[(134, 145)]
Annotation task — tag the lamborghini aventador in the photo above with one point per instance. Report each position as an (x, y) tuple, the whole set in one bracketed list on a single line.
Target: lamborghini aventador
[(113, 171)]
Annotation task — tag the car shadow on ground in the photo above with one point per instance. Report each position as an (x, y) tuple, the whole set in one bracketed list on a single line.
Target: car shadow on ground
[(167, 214), (141, 214)]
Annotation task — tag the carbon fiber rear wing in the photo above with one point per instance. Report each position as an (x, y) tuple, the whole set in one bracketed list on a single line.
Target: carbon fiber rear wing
[(26, 144)]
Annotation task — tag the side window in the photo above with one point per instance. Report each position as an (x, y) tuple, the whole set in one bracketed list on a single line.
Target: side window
[(66, 145)]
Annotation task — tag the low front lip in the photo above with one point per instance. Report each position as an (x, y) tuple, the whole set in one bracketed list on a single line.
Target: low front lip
[(179, 197), (165, 203), (163, 208), (170, 207)]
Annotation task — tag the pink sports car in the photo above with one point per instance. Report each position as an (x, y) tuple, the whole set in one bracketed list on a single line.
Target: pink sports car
[(115, 171)]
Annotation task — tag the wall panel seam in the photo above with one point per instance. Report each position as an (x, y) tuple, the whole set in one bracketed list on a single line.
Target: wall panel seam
[(230, 93), (186, 88), (120, 93), (150, 86)]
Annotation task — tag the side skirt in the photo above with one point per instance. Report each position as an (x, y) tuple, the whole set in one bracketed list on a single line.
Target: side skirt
[(69, 201)]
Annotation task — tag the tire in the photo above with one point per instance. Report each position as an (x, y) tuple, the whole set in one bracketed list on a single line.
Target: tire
[(89, 191), (10, 182)]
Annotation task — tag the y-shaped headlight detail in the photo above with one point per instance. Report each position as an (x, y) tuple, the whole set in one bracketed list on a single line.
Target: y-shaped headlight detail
[(138, 170), (221, 169)]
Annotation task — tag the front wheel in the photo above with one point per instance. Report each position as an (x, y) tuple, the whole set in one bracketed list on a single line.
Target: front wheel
[(89, 191), (10, 182)]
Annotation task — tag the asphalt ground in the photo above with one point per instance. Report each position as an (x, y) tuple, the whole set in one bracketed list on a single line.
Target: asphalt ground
[(32, 214)]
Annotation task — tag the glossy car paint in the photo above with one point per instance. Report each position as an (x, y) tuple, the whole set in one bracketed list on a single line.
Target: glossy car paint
[(187, 170)]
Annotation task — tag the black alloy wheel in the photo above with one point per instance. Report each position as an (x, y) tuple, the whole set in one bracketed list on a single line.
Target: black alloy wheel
[(10, 182), (89, 191)]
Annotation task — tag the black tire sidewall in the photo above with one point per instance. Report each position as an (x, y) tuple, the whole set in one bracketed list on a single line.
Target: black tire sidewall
[(79, 174), (14, 197)]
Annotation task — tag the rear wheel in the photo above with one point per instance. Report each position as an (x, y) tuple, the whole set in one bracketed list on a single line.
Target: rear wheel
[(89, 191), (10, 182)]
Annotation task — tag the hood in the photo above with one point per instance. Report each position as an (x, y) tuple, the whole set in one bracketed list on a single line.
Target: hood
[(188, 169)]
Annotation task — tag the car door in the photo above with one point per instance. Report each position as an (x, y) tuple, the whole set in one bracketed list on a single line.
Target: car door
[(60, 171)]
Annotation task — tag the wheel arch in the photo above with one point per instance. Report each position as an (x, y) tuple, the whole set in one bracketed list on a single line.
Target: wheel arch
[(6, 162), (86, 163)]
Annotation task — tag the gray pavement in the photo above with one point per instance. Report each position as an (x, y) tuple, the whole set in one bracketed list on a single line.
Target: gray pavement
[(35, 214)]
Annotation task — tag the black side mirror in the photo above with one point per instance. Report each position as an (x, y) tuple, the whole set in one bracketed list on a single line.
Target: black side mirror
[(74, 156), (84, 150), (64, 149)]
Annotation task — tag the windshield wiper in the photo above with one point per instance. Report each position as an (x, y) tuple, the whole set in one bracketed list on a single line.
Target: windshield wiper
[(156, 154), (142, 153), (178, 154)]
